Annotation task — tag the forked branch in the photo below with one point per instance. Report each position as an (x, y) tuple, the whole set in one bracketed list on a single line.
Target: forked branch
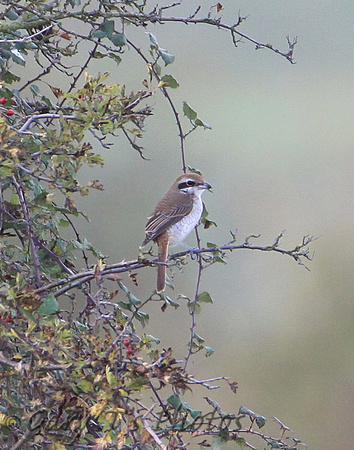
[(300, 253)]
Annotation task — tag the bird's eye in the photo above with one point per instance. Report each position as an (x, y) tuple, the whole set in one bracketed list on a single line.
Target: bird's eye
[(186, 184)]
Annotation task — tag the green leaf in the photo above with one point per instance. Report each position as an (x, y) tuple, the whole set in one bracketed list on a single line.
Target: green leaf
[(244, 410), (199, 123), (29, 316), (260, 421), (157, 68), (110, 377), (209, 351), (240, 441), (41, 198), (195, 413), (142, 317), (6, 168), (64, 223), (219, 259), (198, 338), (6, 54), (35, 89), (115, 57), (49, 306), (15, 200), (204, 297), (207, 223), (104, 30), (153, 41), (189, 112), (17, 57), (220, 441), (11, 14), (99, 55), (147, 338), (19, 224), (171, 302), (169, 81), (174, 401), (83, 245), (167, 57), (118, 39), (185, 406), (85, 386), (275, 444), (132, 299), (108, 27), (10, 78)]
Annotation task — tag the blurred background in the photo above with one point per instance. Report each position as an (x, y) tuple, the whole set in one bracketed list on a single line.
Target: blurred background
[(279, 157)]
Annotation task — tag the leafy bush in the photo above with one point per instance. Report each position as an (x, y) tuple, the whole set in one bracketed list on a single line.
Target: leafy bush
[(87, 379)]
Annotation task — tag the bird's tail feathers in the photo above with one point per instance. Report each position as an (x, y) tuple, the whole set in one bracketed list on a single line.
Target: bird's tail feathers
[(162, 243)]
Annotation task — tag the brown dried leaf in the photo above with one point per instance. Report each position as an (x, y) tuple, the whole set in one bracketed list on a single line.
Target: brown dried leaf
[(114, 277), (234, 386), (133, 277), (65, 36), (113, 294)]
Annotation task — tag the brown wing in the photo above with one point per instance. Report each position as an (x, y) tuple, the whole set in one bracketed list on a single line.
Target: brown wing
[(160, 221)]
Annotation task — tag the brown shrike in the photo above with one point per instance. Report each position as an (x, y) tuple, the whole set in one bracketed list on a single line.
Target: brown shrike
[(175, 216)]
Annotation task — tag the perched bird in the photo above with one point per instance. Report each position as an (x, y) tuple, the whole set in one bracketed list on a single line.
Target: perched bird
[(175, 216)]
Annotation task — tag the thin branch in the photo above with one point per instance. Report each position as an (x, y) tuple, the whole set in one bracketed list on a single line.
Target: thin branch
[(126, 326), (39, 177), (45, 71), (81, 71), (31, 237), (135, 146), (193, 311), (42, 116), (169, 99), (78, 238), (88, 275), (298, 253), (152, 433), (160, 401), (26, 38), (205, 383), (235, 34), (52, 255)]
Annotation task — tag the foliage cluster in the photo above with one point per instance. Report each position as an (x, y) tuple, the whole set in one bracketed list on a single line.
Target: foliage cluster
[(88, 379)]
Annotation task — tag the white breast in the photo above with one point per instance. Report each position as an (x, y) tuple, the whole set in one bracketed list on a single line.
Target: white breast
[(181, 229)]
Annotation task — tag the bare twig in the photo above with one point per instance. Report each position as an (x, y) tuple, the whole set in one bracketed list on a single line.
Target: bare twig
[(81, 71), (26, 38), (30, 235), (193, 309), (36, 117), (152, 433), (45, 71), (206, 383), (298, 253), (170, 101), (236, 35)]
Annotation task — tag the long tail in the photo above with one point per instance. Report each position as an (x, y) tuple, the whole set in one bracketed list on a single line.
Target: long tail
[(162, 243)]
